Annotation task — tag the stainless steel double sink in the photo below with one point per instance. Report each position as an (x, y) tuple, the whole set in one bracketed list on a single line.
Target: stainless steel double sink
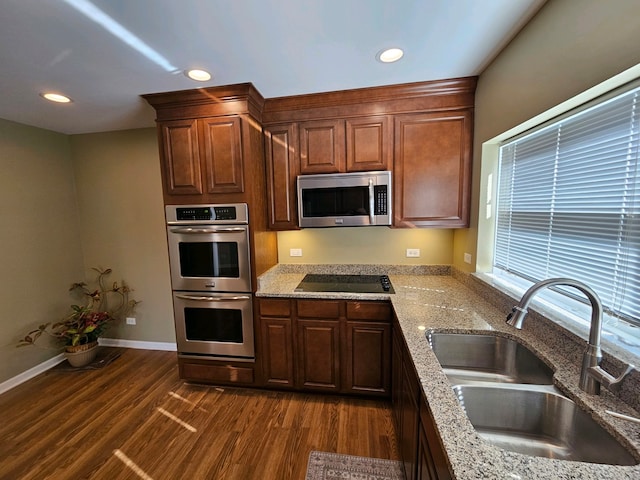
[(508, 394)]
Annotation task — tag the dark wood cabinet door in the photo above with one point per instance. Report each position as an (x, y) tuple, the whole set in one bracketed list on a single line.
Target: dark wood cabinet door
[(409, 418), (369, 143), (396, 381), (276, 337), (432, 169), (367, 352), (432, 447), (181, 157), (322, 148), (222, 154), (276, 342), (426, 467), (282, 159), (319, 354)]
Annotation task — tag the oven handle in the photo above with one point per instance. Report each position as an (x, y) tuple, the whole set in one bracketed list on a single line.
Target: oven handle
[(213, 299), (207, 230), (371, 202)]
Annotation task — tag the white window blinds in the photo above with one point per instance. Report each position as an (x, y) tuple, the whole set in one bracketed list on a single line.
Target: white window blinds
[(569, 203)]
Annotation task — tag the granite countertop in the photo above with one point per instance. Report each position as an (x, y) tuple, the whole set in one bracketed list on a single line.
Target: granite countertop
[(428, 298)]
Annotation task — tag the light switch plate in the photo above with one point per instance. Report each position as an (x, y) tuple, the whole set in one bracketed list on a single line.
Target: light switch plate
[(467, 258), (413, 252), (295, 252)]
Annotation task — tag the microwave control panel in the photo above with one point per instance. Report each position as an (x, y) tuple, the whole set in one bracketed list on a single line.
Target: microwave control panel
[(380, 204)]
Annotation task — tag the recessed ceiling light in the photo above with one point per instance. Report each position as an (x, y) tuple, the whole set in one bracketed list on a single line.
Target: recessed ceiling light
[(55, 97), (390, 55), (198, 75)]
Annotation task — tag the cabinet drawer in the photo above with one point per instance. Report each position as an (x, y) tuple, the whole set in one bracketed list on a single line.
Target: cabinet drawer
[(318, 309), (275, 307), (369, 311), (216, 373)]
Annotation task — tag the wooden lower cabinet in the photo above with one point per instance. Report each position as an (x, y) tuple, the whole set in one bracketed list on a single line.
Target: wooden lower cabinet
[(432, 461), (407, 417), (319, 354), (366, 368), (420, 447), (207, 371), (277, 346), (276, 339), (326, 345)]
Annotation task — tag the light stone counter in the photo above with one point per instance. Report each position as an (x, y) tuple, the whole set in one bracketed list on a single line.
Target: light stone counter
[(428, 298)]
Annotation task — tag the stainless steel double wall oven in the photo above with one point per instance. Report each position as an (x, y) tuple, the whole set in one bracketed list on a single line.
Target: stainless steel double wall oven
[(209, 256)]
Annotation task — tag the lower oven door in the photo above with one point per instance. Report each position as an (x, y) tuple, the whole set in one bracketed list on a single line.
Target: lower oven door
[(214, 324)]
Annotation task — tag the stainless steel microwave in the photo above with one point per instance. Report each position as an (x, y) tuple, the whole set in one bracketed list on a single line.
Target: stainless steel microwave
[(344, 199)]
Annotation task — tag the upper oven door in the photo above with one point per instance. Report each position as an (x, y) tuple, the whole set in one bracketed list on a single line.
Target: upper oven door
[(209, 258)]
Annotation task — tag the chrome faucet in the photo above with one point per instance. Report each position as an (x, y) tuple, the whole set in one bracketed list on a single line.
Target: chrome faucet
[(591, 375)]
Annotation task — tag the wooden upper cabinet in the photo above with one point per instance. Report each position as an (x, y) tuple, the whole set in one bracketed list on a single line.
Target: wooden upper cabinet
[(432, 169), (222, 154), (282, 159), (420, 131), (322, 147), (352, 145), (202, 156), (181, 157), (211, 147), (369, 143)]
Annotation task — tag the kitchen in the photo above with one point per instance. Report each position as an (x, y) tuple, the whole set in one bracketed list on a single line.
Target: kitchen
[(113, 171)]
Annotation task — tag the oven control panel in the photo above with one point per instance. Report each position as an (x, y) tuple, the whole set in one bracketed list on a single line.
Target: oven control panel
[(207, 214)]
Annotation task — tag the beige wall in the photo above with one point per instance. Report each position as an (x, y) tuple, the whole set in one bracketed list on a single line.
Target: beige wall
[(68, 204), (366, 245), (568, 47), (121, 212), (40, 254)]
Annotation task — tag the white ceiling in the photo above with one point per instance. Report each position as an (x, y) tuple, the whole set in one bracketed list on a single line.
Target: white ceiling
[(284, 47)]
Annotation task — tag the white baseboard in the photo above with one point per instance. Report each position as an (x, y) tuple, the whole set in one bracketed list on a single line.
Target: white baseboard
[(140, 345), (107, 342), (32, 372)]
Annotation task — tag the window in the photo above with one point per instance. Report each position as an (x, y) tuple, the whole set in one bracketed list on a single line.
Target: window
[(569, 203)]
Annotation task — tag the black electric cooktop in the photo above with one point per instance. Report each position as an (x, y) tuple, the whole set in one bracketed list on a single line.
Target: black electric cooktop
[(345, 283)]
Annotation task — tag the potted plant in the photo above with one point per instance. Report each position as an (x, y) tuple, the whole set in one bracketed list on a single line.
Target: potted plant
[(79, 331)]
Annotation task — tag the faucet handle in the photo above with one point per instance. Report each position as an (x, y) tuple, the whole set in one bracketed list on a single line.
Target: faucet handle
[(516, 317), (610, 382)]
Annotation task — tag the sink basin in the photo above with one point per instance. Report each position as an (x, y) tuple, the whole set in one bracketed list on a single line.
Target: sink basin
[(540, 423), (480, 358)]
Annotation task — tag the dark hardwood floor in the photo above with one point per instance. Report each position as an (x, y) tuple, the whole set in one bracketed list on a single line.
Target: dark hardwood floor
[(135, 419)]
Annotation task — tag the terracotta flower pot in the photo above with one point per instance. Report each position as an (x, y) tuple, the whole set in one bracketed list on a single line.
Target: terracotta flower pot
[(81, 355)]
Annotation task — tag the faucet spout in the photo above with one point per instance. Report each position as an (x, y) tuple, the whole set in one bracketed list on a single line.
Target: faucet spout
[(591, 375)]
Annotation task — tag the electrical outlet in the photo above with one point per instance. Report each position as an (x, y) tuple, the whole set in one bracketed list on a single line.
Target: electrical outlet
[(295, 252), (467, 258), (131, 321), (413, 252)]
